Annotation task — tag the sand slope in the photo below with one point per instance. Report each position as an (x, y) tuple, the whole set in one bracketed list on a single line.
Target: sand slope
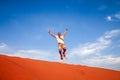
[(14, 68)]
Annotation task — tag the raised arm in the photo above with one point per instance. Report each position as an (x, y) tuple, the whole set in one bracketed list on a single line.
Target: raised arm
[(51, 33), (65, 32)]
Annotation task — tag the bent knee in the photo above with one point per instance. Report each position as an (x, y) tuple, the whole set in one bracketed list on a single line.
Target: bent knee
[(64, 49), (60, 49)]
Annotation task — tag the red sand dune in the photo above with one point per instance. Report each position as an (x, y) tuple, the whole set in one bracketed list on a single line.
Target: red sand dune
[(14, 68)]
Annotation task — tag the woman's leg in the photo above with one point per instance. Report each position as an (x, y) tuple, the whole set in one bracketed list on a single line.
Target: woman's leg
[(60, 51), (64, 50)]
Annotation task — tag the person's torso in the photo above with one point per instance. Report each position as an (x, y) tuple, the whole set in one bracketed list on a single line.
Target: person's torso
[(60, 39)]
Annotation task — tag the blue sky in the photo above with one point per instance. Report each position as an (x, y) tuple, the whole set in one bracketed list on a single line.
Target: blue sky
[(93, 38)]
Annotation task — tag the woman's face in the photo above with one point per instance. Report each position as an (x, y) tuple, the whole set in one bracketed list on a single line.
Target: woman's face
[(59, 34)]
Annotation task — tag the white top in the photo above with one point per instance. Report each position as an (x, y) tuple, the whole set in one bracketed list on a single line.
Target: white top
[(60, 40)]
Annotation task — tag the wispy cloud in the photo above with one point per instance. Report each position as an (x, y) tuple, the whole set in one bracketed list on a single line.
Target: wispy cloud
[(30, 53), (94, 47), (5, 49), (93, 53), (117, 15), (34, 54), (3, 46), (102, 7), (114, 17), (105, 61)]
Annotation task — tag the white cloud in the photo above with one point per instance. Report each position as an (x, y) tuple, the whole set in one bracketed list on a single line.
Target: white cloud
[(114, 17), (112, 33), (107, 61), (34, 54), (94, 47), (31, 53), (109, 18), (4, 48), (91, 53), (117, 15)]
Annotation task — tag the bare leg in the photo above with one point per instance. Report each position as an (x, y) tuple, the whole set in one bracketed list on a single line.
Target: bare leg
[(60, 52), (64, 50)]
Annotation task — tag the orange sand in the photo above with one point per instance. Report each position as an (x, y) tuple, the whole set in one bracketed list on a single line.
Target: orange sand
[(14, 68)]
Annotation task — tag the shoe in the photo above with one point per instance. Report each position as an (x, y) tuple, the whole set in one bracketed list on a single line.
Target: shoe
[(61, 58)]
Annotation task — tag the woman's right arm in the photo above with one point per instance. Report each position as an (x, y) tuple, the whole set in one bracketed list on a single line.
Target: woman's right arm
[(51, 33)]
